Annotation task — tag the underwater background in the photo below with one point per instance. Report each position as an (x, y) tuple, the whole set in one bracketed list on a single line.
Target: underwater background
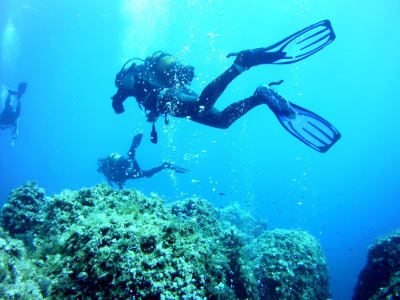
[(69, 52)]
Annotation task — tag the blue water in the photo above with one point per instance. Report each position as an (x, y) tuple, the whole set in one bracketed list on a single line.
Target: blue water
[(70, 51)]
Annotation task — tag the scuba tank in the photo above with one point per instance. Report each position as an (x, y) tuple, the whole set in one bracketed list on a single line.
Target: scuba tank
[(161, 70), (169, 70)]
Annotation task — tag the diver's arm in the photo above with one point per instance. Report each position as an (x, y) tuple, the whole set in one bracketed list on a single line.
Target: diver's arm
[(152, 171)]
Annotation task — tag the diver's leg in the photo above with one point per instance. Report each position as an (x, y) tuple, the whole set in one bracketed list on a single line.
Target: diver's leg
[(151, 172), (18, 108), (214, 89), (7, 103), (184, 102), (179, 103), (224, 119)]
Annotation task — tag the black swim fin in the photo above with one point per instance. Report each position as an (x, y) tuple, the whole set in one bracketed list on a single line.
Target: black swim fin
[(310, 128), (305, 125), (21, 89), (175, 168), (294, 48), (135, 143)]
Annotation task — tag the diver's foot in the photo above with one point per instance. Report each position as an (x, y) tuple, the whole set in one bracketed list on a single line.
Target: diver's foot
[(275, 102), (250, 58)]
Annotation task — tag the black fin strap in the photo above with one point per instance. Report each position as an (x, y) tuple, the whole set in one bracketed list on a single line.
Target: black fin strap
[(153, 136)]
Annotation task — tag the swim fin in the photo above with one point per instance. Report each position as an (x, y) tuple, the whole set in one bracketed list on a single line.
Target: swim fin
[(21, 89), (175, 168), (294, 48), (135, 143), (305, 125)]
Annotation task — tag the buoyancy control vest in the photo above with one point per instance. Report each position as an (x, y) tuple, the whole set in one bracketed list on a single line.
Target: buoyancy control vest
[(145, 82)]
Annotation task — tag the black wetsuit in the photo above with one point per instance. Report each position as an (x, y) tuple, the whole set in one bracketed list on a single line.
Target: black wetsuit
[(180, 101), (118, 169), (185, 103), (124, 168), (9, 116)]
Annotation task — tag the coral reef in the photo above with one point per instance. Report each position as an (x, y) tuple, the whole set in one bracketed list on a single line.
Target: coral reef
[(100, 243), (380, 279)]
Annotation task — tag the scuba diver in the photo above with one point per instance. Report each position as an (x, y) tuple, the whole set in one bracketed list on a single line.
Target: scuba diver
[(160, 85), (117, 168), (9, 117)]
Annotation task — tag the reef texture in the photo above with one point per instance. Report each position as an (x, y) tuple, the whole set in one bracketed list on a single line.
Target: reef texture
[(380, 279), (100, 243)]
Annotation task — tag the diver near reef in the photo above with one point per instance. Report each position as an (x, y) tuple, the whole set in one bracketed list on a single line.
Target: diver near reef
[(118, 169), (9, 117), (160, 85)]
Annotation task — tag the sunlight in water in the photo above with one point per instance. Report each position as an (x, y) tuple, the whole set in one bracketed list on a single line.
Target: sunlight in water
[(9, 45), (144, 21)]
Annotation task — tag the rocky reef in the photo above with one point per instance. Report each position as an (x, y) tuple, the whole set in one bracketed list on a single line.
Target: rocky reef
[(100, 243), (380, 279)]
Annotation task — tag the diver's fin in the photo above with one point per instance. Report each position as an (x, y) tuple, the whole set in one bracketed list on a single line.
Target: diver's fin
[(176, 168), (135, 143), (21, 89), (294, 48), (310, 128), (305, 125)]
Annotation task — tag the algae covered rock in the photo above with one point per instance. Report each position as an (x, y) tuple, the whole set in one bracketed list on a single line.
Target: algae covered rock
[(22, 212), (19, 276), (380, 279), (99, 243), (234, 215), (290, 265), (132, 247)]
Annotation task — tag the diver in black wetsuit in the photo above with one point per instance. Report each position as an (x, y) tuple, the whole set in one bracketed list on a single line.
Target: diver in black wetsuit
[(117, 168), (10, 115), (160, 85)]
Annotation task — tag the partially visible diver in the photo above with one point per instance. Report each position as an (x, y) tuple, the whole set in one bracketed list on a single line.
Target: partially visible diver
[(160, 85), (118, 169), (9, 116)]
